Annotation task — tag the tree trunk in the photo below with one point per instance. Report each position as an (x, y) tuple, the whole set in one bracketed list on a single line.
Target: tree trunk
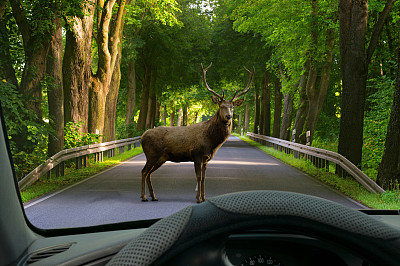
[(353, 25), (131, 95), (185, 115), (353, 16), (247, 118), (172, 117), (302, 111), (141, 124), (55, 92), (287, 117), (389, 168), (180, 117), (157, 115), (77, 63), (256, 110), (111, 101), (36, 49), (164, 116), (7, 71), (265, 112), (316, 95), (117, 26), (278, 108), (151, 107), (109, 29)]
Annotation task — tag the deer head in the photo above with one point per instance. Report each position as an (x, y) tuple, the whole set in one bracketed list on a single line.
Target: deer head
[(226, 106)]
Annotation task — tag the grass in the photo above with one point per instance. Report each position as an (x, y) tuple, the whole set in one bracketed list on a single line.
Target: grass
[(47, 185), (348, 186)]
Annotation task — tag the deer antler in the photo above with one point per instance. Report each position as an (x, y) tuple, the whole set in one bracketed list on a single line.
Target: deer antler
[(248, 85), (205, 82)]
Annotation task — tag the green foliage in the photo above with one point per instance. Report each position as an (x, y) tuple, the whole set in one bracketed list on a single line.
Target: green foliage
[(19, 121), (375, 123), (73, 137)]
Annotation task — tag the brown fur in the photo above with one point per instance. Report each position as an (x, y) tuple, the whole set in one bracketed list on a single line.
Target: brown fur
[(197, 143)]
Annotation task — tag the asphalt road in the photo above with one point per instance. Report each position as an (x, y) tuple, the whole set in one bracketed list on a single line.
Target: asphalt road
[(114, 195)]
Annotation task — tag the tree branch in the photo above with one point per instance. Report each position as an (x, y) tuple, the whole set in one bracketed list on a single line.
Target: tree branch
[(21, 20), (378, 28)]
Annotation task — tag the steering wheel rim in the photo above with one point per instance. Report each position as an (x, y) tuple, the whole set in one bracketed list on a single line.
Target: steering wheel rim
[(228, 213)]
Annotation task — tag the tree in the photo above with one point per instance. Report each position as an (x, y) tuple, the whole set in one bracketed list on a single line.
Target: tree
[(77, 63), (353, 18), (55, 91), (389, 168)]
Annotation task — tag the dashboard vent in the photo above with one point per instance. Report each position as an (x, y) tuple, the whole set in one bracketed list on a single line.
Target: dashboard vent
[(47, 253)]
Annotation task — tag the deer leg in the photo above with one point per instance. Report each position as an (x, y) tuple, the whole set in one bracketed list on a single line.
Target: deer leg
[(157, 165), (145, 172), (148, 169), (197, 169), (203, 179)]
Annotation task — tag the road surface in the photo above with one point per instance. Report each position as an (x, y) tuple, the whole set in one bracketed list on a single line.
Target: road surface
[(114, 195)]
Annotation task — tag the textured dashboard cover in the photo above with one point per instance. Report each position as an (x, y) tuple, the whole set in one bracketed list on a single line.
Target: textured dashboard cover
[(157, 239), (276, 203)]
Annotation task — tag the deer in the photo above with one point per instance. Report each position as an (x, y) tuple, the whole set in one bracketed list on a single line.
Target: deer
[(197, 143)]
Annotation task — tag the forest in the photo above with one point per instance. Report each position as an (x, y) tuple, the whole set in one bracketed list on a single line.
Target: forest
[(86, 71)]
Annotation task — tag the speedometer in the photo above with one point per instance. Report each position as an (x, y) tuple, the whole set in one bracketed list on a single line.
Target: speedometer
[(260, 260)]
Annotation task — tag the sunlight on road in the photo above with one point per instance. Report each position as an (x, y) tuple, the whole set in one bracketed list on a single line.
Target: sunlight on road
[(212, 162)]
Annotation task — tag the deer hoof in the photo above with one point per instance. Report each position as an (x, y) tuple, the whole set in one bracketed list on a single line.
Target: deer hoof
[(144, 198), (154, 199), (199, 200)]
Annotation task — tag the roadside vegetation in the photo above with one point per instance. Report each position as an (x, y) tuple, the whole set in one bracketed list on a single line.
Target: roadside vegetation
[(72, 176), (348, 186)]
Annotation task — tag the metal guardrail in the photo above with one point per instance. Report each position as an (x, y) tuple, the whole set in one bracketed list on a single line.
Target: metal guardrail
[(80, 154), (320, 158)]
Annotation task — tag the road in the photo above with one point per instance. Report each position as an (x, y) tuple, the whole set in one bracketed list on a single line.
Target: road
[(114, 195)]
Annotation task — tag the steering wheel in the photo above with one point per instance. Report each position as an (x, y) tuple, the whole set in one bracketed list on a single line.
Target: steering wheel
[(285, 211)]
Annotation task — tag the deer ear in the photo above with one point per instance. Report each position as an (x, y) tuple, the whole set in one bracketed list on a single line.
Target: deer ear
[(216, 100), (238, 102)]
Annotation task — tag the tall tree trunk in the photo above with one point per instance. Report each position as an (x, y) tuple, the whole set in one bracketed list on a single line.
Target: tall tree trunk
[(265, 102), (7, 71), (111, 101), (77, 63), (151, 107), (302, 111), (247, 118), (317, 94), (277, 109), (117, 26), (353, 16), (158, 113), (164, 116), (180, 117), (108, 40), (389, 168), (185, 115), (256, 110), (141, 124), (172, 117), (131, 95), (55, 91), (287, 117)]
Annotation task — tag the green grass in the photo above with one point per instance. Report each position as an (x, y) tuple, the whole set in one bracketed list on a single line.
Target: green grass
[(348, 186), (47, 185)]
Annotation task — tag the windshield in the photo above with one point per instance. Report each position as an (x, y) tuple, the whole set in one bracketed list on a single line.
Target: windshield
[(115, 112)]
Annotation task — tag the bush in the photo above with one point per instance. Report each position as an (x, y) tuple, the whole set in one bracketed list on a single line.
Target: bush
[(27, 135), (74, 138)]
